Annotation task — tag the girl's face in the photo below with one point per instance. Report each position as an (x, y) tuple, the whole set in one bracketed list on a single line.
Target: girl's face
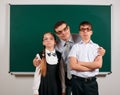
[(49, 40)]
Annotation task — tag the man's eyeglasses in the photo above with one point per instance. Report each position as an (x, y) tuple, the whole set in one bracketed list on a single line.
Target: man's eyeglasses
[(64, 29), (85, 29)]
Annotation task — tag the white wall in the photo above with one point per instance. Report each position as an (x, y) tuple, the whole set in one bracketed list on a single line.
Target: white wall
[(22, 85)]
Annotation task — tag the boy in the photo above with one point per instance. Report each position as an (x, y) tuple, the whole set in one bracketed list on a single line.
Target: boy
[(85, 63)]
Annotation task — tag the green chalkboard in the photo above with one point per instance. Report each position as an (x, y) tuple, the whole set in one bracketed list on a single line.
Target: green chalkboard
[(29, 22)]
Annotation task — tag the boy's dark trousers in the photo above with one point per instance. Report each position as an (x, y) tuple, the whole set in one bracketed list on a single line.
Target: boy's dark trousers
[(84, 86)]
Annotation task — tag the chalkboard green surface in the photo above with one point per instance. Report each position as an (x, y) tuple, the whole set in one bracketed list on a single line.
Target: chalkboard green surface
[(29, 22)]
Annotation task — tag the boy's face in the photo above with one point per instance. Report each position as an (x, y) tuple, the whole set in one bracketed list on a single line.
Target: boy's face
[(63, 32), (85, 32)]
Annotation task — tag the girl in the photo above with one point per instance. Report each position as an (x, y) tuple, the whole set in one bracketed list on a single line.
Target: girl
[(49, 75)]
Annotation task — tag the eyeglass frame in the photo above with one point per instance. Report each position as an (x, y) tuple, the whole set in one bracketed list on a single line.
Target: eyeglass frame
[(83, 29)]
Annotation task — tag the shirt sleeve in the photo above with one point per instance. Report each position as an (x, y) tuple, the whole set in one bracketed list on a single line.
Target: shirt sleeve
[(96, 47), (73, 51), (36, 81)]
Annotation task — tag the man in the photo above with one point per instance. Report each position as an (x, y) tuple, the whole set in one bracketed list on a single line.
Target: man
[(64, 44), (85, 62)]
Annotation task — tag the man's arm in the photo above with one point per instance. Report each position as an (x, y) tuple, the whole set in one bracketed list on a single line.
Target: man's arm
[(75, 66), (62, 76), (93, 65)]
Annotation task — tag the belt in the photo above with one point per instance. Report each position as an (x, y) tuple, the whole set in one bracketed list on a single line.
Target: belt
[(84, 79)]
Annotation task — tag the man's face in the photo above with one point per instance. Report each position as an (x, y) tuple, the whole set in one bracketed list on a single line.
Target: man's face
[(63, 32)]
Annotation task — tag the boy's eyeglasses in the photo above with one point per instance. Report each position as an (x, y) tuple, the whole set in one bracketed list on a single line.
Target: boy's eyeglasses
[(85, 29)]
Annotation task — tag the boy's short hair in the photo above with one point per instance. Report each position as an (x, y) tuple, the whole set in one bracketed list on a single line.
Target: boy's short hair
[(85, 23)]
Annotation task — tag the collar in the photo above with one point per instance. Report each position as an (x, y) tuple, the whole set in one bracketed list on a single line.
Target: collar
[(70, 40), (47, 51), (82, 42)]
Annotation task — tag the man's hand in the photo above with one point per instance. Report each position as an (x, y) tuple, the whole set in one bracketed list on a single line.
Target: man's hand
[(101, 51), (36, 61)]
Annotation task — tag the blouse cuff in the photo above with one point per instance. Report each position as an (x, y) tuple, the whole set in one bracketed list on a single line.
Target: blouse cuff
[(35, 92), (63, 90)]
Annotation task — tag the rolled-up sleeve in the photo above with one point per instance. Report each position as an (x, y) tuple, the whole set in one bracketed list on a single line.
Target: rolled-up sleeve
[(73, 51)]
